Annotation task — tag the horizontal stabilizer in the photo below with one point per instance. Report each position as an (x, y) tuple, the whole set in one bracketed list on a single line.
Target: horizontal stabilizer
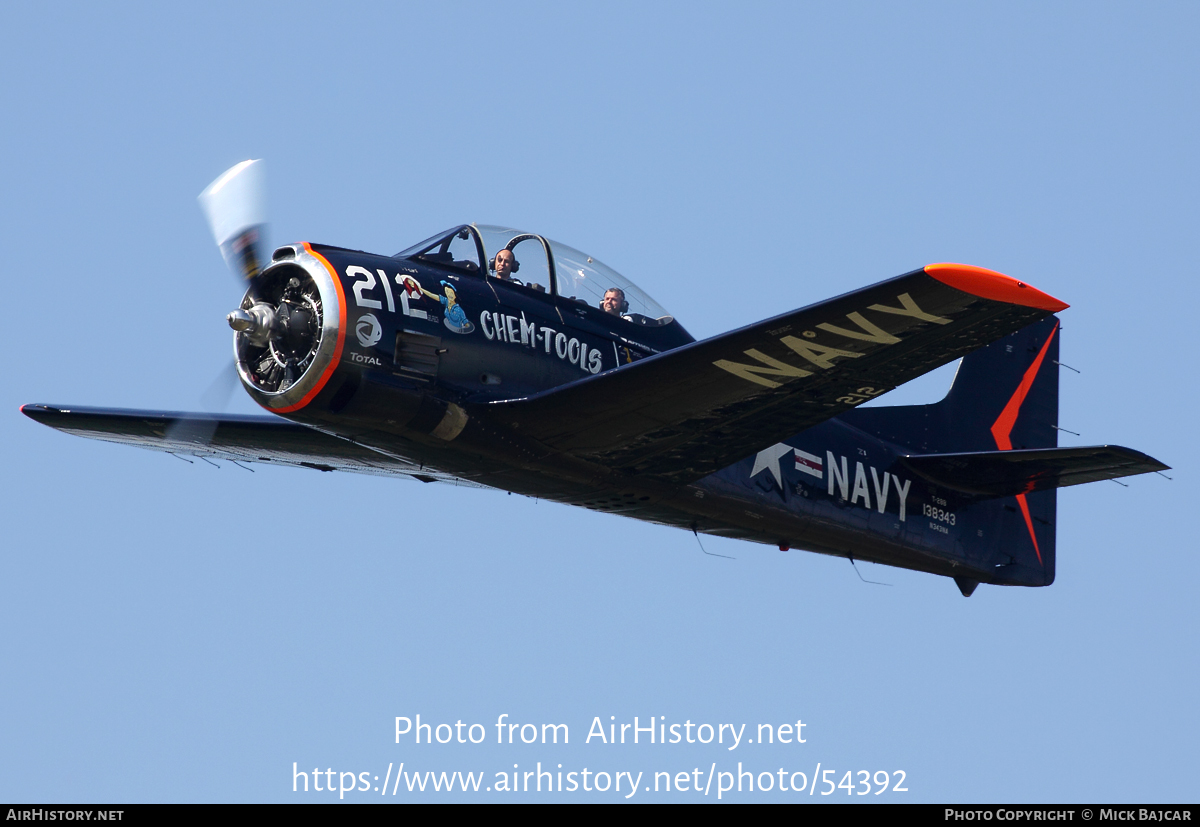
[(1007, 473)]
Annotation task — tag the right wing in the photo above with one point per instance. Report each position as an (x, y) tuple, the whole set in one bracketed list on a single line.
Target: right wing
[(691, 411), (230, 438)]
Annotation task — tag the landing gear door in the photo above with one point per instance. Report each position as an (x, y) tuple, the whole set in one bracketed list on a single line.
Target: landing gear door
[(417, 355)]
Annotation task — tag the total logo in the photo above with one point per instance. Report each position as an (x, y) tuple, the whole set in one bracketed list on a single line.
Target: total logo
[(360, 359), (368, 330)]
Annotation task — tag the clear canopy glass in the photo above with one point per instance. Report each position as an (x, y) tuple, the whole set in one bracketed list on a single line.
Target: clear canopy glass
[(541, 264), (585, 279), (458, 249), (533, 262), (577, 275)]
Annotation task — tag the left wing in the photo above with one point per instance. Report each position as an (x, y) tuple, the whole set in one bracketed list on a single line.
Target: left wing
[(238, 439), (689, 412)]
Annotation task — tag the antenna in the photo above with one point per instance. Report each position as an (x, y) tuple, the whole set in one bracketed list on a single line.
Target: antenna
[(706, 551), (850, 557)]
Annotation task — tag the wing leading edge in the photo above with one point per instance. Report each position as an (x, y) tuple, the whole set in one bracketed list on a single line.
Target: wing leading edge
[(231, 438), (686, 413)]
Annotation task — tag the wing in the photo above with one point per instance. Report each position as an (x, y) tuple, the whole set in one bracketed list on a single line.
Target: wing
[(239, 439), (686, 413), (1004, 473)]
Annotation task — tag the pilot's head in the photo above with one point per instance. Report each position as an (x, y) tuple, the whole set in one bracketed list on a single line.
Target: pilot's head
[(504, 264), (614, 301)]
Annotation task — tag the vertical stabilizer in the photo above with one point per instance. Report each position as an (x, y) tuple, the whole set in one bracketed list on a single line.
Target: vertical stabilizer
[(1004, 397)]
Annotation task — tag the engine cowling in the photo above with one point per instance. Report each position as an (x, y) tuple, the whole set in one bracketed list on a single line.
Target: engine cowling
[(288, 330)]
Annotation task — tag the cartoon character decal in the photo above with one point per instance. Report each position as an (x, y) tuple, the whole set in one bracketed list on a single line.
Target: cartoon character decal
[(455, 318)]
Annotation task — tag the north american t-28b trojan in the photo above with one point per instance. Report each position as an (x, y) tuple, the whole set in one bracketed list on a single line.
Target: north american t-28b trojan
[(503, 359)]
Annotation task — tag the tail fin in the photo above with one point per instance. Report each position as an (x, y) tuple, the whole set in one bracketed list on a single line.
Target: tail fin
[(1004, 397)]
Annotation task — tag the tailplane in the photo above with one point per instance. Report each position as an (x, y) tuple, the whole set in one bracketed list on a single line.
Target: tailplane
[(990, 451), (991, 447), (994, 438), (988, 474)]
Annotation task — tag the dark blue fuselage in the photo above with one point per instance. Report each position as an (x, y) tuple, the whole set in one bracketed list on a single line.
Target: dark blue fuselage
[(422, 338)]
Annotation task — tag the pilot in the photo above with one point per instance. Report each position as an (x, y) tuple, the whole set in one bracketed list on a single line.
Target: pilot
[(505, 265), (614, 302)]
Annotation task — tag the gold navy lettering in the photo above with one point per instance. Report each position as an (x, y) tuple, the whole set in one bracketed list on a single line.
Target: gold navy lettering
[(771, 372)]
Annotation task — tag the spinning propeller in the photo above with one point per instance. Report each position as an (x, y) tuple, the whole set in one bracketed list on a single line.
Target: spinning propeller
[(234, 205), (236, 213), (278, 323), (279, 320)]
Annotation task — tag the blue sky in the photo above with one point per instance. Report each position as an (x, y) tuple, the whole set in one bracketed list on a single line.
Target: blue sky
[(178, 632)]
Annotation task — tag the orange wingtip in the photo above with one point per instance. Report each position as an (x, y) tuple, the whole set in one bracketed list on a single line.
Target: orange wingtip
[(988, 284)]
